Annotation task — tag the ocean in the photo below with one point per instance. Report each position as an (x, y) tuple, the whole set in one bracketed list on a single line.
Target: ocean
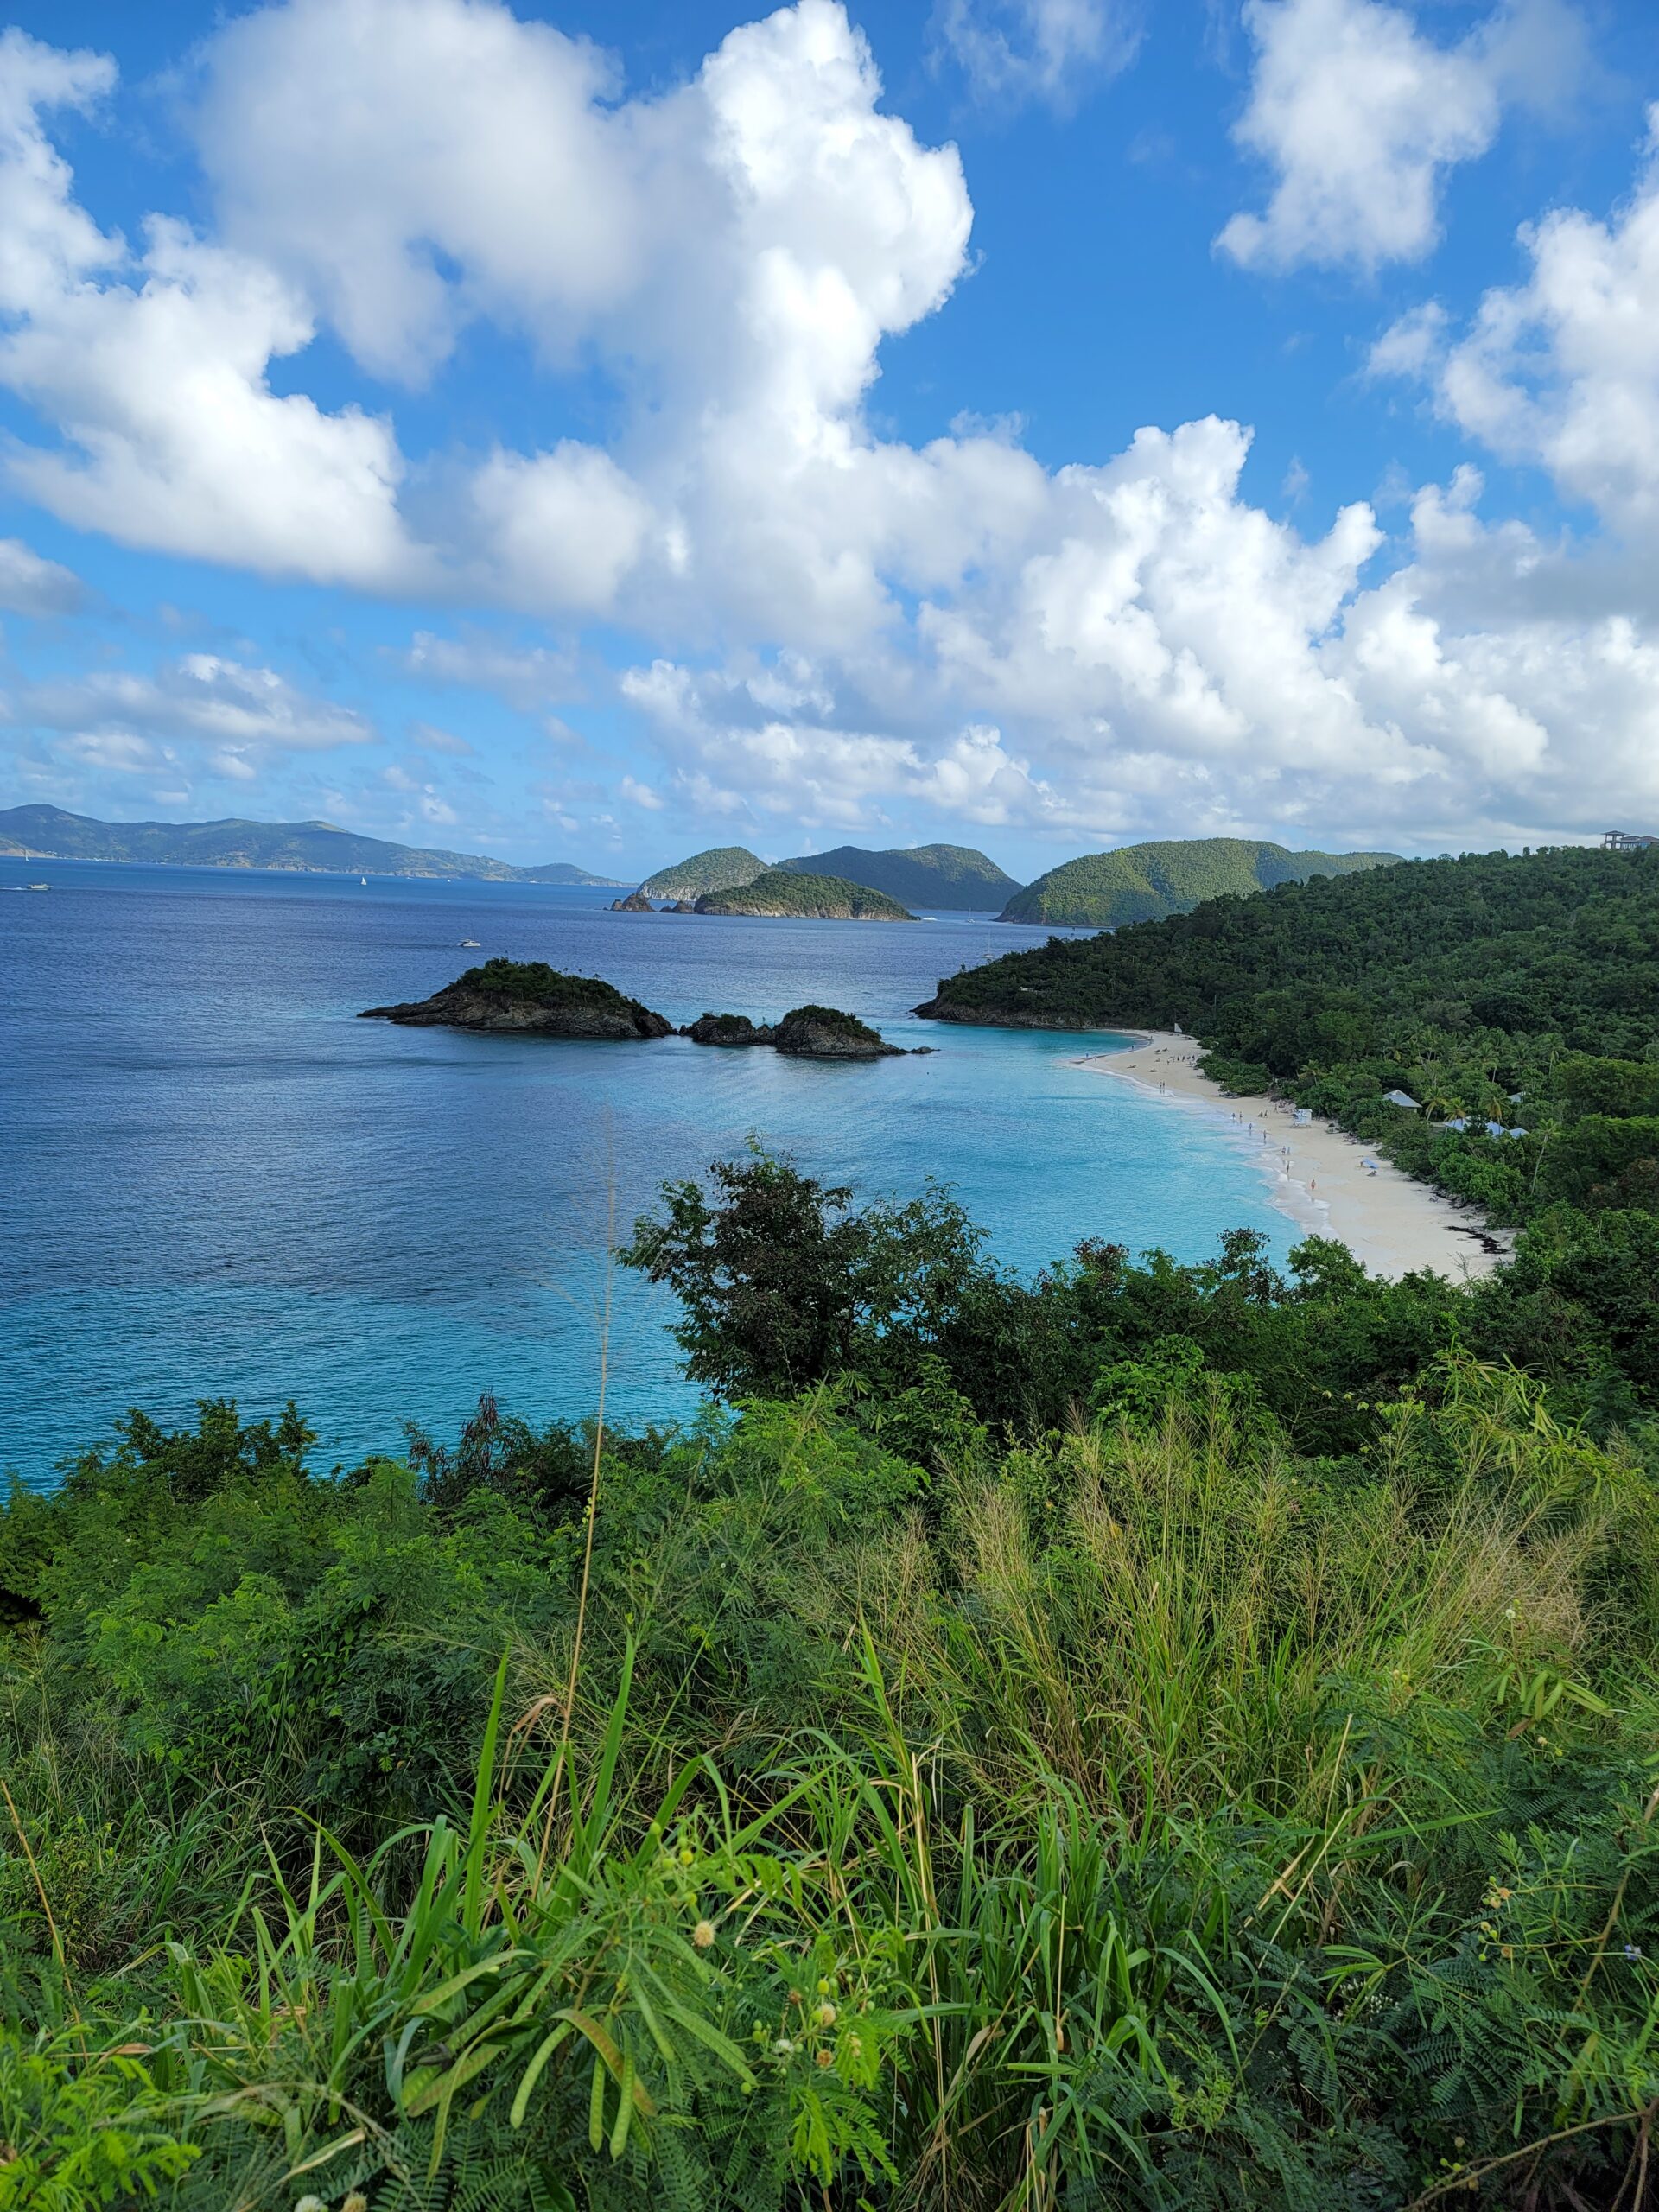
[(216, 1181)]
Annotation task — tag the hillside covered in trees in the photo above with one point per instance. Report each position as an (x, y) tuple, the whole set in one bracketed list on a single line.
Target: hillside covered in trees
[(785, 893), (720, 868), (951, 879), (1518, 990), (1142, 883)]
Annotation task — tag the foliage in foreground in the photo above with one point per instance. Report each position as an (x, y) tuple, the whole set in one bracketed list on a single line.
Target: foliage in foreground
[(1145, 1811)]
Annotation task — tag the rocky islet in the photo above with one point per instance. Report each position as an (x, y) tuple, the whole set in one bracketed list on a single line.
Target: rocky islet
[(527, 998)]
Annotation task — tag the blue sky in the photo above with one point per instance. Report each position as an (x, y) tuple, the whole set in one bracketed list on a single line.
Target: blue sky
[(589, 433)]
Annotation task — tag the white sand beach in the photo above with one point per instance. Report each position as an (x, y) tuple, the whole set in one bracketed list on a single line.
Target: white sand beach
[(1325, 1181)]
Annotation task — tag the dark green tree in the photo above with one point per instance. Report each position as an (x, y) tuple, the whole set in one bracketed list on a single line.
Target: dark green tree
[(781, 1282)]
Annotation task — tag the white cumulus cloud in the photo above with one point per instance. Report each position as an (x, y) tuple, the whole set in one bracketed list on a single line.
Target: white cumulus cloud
[(152, 369), (1562, 370), (201, 698), (1358, 115)]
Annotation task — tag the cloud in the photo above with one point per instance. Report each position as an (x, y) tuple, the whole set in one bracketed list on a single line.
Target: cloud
[(175, 441), (46, 241), (201, 699), (115, 752), (30, 585), (529, 677), (1562, 370), (838, 628), (1012, 52), (738, 246), (734, 758), (1175, 659), (416, 163), (431, 738), (153, 370), (565, 527), (1411, 345), (1358, 116)]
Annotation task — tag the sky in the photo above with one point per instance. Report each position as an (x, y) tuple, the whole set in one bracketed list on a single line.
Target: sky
[(593, 432)]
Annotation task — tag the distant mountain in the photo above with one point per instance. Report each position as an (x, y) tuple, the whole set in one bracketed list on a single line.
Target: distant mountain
[(48, 832), (718, 869), (953, 878), (1143, 883), (782, 892)]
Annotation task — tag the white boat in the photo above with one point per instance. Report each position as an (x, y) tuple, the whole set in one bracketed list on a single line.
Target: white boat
[(364, 880), (38, 886), (469, 945)]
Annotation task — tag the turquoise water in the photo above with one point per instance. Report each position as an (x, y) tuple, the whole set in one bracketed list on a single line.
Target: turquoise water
[(217, 1181)]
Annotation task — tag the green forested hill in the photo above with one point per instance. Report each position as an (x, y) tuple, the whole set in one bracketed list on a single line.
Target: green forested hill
[(1142, 883), (779, 891), (1518, 989), (953, 878), (48, 832), (720, 868), (1559, 940)]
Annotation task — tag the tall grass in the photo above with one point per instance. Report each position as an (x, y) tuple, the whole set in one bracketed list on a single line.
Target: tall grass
[(1180, 1825)]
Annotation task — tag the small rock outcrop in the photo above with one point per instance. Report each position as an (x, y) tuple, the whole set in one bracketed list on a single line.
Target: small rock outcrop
[(824, 1032), (528, 998), (727, 1029), (635, 903)]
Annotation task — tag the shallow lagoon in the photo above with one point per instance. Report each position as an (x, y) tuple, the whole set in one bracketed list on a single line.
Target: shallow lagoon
[(217, 1181)]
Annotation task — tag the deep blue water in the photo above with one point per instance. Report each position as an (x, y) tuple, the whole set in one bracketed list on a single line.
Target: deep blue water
[(215, 1181)]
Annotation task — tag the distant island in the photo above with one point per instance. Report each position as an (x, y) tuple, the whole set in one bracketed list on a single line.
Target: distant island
[(526, 998), (779, 891), (950, 878), (49, 833), (1146, 883), (1106, 890), (955, 878), (722, 867)]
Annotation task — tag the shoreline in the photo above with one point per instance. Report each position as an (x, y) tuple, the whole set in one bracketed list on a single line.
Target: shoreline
[(1326, 1181)]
